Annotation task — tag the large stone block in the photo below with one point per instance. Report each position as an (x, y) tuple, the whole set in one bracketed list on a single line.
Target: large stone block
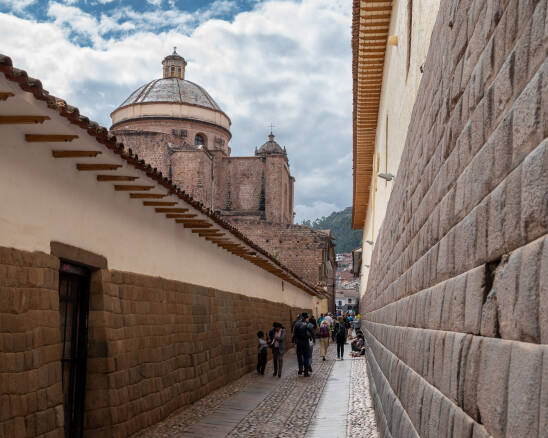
[(506, 285), (524, 385), (492, 389), (534, 200)]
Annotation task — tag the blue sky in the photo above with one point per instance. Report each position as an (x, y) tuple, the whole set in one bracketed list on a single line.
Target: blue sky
[(282, 61)]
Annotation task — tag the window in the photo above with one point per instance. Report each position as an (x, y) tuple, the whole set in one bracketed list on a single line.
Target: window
[(199, 140), (178, 72), (172, 71), (349, 300), (340, 303)]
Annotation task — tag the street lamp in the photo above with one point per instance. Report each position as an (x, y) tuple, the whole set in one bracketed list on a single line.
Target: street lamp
[(370, 242), (387, 176), (367, 266)]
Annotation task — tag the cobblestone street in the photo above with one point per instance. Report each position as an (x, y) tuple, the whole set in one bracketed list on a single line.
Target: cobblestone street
[(334, 401)]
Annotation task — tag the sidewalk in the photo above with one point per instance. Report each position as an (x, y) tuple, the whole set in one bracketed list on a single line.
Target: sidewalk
[(265, 406)]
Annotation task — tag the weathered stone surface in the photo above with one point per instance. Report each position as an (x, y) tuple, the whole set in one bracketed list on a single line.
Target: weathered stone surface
[(462, 247), (524, 385), (492, 390), (30, 345)]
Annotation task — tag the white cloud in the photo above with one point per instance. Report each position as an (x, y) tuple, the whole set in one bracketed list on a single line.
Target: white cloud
[(286, 62), (17, 5)]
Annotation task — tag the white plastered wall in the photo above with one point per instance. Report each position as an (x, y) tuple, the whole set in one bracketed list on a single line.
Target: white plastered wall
[(399, 91), (44, 199)]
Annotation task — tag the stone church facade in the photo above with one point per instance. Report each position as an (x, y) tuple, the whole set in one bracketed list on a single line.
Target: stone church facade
[(179, 129)]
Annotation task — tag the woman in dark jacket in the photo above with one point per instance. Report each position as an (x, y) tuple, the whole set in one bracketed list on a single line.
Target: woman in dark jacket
[(278, 348)]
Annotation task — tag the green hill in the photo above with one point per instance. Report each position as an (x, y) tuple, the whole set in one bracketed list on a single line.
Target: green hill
[(340, 224)]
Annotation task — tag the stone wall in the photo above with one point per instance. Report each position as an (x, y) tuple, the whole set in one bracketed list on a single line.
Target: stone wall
[(255, 186), (456, 306), (240, 184), (31, 397), (192, 170), (308, 253), (155, 345), (215, 137), (278, 182), (150, 146)]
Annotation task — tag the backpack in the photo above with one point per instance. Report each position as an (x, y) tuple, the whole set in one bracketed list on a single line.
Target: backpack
[(340, 332), (324, 331), (301, 331)]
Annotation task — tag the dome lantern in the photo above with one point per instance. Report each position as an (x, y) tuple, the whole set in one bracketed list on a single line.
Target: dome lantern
[(271, 147), (174, 65)]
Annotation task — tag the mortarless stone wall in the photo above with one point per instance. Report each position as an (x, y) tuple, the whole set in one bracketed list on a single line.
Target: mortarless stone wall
[(456, 306), (31, 396), (155, 345)]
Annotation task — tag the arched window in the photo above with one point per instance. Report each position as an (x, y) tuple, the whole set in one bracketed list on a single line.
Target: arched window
[(178, 72), (172, 71), (199, 140)]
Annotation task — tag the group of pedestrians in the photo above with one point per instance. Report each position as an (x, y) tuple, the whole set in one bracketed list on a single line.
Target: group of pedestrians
[(275, 339), (305, 330)]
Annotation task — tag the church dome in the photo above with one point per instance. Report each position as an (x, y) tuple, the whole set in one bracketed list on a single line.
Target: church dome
[(172, 90), (171, 97), (270, 147)]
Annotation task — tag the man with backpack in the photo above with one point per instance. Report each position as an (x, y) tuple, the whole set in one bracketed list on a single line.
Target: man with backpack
[(323, 334), (302, 334), (340, 336)]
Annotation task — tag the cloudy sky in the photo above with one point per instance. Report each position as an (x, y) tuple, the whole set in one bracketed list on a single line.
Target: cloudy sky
[(282, 61)]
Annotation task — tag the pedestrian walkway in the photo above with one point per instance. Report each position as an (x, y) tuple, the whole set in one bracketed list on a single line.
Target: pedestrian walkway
[(335, 399), (330, 417)]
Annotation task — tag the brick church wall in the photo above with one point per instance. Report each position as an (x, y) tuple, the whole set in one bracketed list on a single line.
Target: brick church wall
[(456, 305), (245, 177), (166, 126), (150, 146), (301, 249), (155, 345), (192, 170), (31, 397), (277, 197)]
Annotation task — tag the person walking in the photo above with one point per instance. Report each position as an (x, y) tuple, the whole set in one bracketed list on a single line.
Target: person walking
[(270, 334), (302, 335), (340, 337), (261, 348), (320, 319), (278, 348), (324, 338), (347, 325), (312, 326)]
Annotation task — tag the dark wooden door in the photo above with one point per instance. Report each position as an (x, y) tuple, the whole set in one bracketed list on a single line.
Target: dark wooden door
[(74, 310)]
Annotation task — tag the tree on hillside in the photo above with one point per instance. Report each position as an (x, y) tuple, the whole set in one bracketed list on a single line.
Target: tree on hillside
[(340, 224)]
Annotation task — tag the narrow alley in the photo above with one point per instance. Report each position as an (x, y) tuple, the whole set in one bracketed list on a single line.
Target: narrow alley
[(335, 402)]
